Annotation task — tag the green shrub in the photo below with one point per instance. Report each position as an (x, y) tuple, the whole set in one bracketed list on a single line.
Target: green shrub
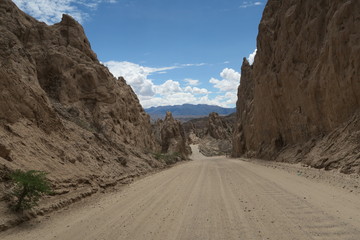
[(29, 187)]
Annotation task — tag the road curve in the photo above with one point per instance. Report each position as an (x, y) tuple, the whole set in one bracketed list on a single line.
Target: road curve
[(209, 198)]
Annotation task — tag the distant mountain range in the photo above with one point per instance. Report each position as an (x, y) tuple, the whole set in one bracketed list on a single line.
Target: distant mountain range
[(187, 111)]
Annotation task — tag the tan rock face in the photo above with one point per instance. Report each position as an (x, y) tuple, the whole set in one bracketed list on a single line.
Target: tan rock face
[(171, 136), (304, 82), (63, 112), (218, 137), (195, 129), (43, 64), (212, 133), (217, 128)]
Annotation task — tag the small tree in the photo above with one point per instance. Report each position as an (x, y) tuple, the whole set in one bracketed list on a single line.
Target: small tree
[(29, 186)]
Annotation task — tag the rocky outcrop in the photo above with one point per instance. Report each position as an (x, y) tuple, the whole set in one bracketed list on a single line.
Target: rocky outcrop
[(63, 112), (304, 83), (213, 133), (195, 129), (217, 139), (217, 127), (171, 137)]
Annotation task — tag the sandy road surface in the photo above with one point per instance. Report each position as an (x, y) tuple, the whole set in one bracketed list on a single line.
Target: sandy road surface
[(209, 198)]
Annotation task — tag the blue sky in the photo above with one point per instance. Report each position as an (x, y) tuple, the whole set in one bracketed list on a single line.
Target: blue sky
[(170, 51)]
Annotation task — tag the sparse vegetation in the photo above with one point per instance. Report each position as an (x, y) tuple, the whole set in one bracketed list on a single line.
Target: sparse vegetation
[(168, 158), (29, 187)]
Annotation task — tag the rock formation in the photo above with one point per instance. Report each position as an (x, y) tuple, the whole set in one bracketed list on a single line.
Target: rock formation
[(212, 133), (217, 127), (195, 129), (62, 111), (304, 85), (170, 135)]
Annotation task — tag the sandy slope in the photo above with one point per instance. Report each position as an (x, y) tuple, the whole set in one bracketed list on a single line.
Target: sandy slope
[(209, 198)]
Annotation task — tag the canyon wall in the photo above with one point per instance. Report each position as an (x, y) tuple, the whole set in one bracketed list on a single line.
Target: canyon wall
[(304, 85), (63, 112)]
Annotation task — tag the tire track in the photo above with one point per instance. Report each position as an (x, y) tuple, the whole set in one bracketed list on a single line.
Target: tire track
[(210, 199)]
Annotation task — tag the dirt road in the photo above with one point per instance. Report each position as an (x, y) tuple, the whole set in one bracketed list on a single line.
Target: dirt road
[(209, 198)]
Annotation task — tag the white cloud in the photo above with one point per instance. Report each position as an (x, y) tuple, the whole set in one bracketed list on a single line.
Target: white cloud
[(196, 90), (246, 4), (170, 99), (231, 97), (252, 57), (193, 64), (191, 82), (230, 80), (168, 88), (50, 11), (136, 75), (172, 92)]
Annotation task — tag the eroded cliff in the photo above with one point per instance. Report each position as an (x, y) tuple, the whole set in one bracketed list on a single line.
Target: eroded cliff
[(63, 112), (304, 86), (213, 134), (170, 136)]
